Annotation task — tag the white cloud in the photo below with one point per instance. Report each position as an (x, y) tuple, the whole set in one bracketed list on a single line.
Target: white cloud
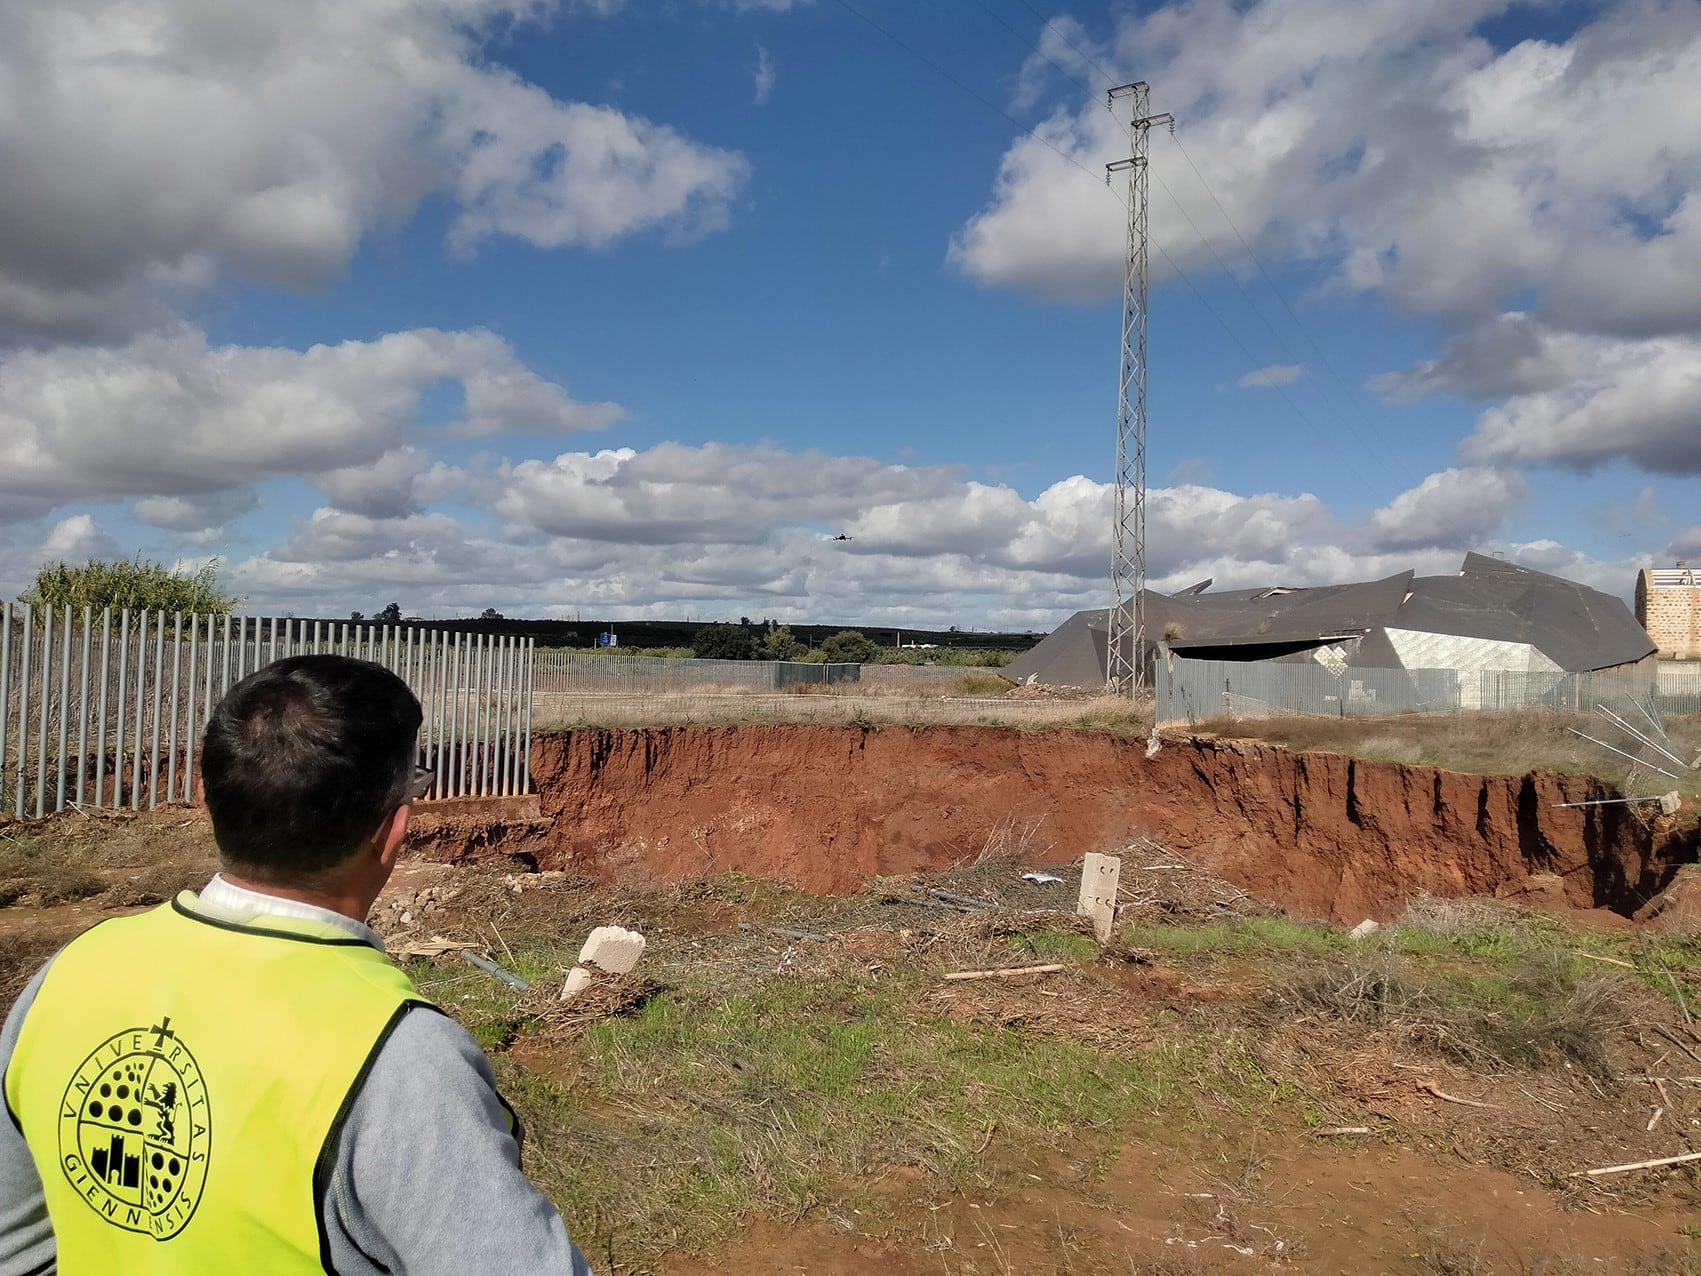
[(1590, 400), (723, 530), (1687, 546), (204, 515), (1454, 508), (167, 414), (1388, 142), (76, 540), (764, 75), (1275, 375), (152, 144)]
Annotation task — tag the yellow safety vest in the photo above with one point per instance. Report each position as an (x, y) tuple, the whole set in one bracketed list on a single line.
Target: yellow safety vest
[(182, 1083)]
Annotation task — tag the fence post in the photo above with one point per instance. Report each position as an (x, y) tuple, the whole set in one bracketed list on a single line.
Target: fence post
[(5, 691), (83, 706), (176, 689), (159, 707), (526, 747), (41, 729), (24, 706), (64, 711)]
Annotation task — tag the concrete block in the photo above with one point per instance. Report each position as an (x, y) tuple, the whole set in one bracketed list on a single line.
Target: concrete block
[(578, 979), (613, 948), (1368, 927), (1670, 803), (1100, 875)]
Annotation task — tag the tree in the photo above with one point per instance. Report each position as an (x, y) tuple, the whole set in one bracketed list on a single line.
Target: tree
[(782, 644), (724, 642), (849, 646), (390, 614), (490, 613), (130, 583), (357, 615)]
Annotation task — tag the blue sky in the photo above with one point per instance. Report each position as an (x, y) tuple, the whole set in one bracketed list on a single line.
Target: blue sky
[(625, 309)]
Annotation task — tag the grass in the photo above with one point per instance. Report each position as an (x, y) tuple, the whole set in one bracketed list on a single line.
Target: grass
[(1239, 935), (730, 1094)]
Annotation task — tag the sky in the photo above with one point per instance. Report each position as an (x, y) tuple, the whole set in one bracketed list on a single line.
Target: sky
[(632, 308)]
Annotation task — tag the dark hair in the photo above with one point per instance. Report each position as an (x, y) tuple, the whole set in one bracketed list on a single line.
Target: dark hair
[(303, 760)]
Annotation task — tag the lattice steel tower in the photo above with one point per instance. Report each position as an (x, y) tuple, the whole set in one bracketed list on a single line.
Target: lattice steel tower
[(1125, 670)]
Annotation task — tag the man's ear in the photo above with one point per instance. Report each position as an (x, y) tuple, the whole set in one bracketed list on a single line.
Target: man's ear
[(391, 835)]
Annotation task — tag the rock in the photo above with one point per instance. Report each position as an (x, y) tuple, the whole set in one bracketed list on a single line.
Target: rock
[(613, 948), (1669, 803), (578, 979), (1368, 927)]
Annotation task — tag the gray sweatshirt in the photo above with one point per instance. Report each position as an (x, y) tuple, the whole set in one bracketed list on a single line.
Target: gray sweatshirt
[(427, 1180)]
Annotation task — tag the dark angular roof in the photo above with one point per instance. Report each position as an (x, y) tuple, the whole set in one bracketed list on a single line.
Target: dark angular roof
[(1576, 627)]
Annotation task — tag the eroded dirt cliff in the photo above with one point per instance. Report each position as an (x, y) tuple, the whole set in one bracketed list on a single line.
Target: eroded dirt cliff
[(1323, 834)]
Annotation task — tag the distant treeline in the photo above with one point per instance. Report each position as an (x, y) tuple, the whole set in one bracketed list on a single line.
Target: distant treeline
[(640, 635)]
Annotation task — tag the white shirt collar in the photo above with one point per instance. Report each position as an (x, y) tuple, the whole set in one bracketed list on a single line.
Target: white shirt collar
[(229, 902)]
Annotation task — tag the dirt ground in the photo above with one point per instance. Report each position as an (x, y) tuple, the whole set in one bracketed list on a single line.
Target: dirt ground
[(1378, 1149)]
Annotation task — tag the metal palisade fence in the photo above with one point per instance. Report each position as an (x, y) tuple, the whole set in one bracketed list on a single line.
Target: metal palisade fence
[(106, 709)]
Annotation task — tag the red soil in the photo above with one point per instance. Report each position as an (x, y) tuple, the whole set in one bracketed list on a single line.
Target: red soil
[(829, 807)]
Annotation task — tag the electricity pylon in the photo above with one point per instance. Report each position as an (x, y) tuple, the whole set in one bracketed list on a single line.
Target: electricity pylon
[(1125, 669)]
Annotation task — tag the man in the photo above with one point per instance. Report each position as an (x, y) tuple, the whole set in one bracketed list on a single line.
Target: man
[(240, 1081)]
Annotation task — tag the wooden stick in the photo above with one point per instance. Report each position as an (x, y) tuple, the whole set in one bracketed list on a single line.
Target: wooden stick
[(1432, 1088), (1637, 1165), (1334, 1130), (1655, 1119), (1676, 1041), (1611, 961), (1660, 1085), (1003, 971)]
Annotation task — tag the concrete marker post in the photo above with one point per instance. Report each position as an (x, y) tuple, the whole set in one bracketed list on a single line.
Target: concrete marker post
[(1100, 876)]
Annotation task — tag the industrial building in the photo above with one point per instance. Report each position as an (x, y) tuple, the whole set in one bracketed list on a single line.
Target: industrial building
[(1492, 616)]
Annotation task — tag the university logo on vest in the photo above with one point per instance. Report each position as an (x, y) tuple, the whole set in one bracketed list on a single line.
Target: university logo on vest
[(135, 1130)]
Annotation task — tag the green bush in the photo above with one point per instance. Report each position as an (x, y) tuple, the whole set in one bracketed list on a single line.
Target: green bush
[(132, 584), (725, 642), (849, 647)]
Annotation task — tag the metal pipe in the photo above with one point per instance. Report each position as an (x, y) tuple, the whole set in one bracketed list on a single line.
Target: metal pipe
[(159, 709), (316, 633), (5, 692), (512, 980), (64, 711), (176, 688), (1653, 744), (1655, 797), (41, 729), (1621, 753), (24, 706)]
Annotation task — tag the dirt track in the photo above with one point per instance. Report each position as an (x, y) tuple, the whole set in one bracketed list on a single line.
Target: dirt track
[(829, 807)]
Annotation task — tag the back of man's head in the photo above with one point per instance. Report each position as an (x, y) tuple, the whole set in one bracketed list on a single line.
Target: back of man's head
[(303, 760)]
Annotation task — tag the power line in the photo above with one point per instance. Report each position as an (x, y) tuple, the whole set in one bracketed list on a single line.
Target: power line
[(1323, 358), (1253, 362), (1304, 332), (1050, 25)]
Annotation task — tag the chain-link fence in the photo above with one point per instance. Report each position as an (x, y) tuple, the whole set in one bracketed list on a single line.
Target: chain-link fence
[(1196, 690)]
